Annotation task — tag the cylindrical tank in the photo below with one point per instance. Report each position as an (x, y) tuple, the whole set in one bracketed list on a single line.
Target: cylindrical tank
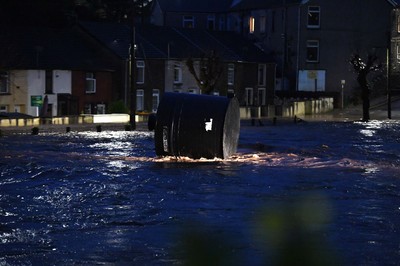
[(197, 126)]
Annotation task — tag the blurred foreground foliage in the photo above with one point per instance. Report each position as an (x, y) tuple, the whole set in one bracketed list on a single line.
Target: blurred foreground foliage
[(118, 107), (285, 234)]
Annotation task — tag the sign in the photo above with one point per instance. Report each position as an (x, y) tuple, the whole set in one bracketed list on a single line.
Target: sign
[(36, 100)]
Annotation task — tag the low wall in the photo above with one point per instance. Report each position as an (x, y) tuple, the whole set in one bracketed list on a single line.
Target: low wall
[(289, 108), (19, 122), (67, 120)]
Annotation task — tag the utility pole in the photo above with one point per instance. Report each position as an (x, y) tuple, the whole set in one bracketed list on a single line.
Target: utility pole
[(388, 66), (284, 33), (132, 118)]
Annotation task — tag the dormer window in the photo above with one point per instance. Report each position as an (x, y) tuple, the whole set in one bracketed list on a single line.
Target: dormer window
[(188, 22), (211, 22)]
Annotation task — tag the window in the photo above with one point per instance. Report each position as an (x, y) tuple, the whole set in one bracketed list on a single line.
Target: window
[(231, 74), (252, 22), (398, 23), (249, 96), (87, 108), (313, 18), (312, 51), (90, 86), (398, 52), (261, 96), (263, 24), (261, 74), (4, 82), (177, 73), (3, 108), (188, 22), (211, 22), (49, 82), (221, 23), (101, 108), (193, 91), (273, 22), (155, 100), (139, 100), (140, 72)]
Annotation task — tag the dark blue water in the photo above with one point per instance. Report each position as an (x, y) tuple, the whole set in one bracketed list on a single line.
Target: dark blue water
[(321, 192)]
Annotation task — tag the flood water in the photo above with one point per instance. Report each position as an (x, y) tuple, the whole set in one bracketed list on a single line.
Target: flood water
[(318, 192)]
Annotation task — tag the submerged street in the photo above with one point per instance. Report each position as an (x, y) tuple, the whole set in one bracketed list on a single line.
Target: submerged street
[(321, 192)]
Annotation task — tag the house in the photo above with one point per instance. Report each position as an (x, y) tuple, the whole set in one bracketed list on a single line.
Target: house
[(205, 14), (312, 43), (161, 55), (394, 52), (54, 69)]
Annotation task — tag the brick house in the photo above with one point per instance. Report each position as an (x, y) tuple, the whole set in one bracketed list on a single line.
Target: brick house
[(160, 62), (312, 43), (55, 64)]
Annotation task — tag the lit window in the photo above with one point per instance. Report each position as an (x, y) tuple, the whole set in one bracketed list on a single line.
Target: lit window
[(155, 100), (140, 72), (90, 86), (139, 100), (249, 96), (177, 73), (312, 51), (261, 74), (231, 74), (4, 81), (313, 17), (188, 22), (252, 22)]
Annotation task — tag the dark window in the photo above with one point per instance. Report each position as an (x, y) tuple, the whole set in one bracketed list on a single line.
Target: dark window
[(90, 85), (312, 51), (313, 18), (49, 82), (4, 81), (188, 22)]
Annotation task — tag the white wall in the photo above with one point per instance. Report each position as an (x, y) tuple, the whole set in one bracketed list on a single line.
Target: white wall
[(36, 80)]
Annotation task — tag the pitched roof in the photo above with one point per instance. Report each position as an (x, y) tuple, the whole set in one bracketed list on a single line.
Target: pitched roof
[(261, 4), (201, 6), (46, 48), (167, 42)]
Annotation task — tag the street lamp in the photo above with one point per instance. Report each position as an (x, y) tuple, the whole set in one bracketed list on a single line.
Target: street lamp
[(132, 118), (343, 82)]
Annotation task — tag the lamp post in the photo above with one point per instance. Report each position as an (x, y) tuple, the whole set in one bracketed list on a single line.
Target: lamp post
[(132, 117), (343, 82)]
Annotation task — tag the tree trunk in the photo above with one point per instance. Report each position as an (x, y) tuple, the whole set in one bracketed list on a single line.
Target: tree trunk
[(365, 96), (362, 80)]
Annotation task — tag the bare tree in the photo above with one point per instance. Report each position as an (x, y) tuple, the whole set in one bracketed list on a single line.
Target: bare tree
[(363, 69), (208, 73)]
